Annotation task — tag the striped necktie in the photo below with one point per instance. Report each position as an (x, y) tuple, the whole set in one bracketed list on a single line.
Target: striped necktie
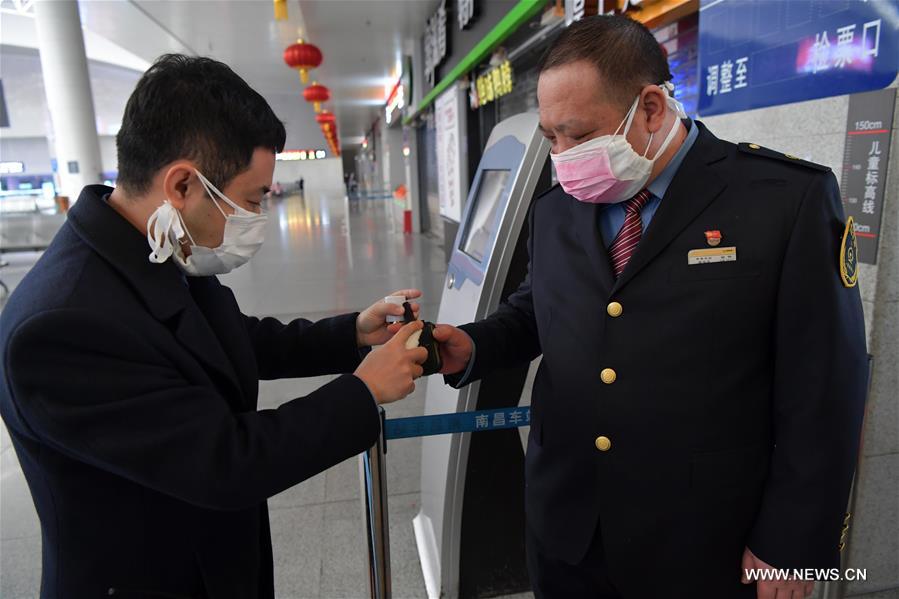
[(628, 237)]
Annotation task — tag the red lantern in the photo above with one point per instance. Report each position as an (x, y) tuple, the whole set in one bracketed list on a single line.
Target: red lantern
[(325, 117), (303, 56), (317, 94)]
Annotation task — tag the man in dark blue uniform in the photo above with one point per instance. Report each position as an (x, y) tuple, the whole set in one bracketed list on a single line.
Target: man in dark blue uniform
[(130, 384), (698, 405)]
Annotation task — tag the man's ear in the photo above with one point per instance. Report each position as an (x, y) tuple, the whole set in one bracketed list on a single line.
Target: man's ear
[(177, 182), (654, 105)]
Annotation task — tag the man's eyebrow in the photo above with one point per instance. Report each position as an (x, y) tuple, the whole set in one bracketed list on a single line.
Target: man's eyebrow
[(563, 127)]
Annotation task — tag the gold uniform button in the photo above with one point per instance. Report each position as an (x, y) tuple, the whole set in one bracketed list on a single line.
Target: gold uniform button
[(603, 443), (608, 376), (614, 309), (754, 146)]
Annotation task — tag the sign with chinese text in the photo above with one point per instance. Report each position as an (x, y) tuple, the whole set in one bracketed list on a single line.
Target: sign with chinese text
[(396, 101), (12, 168), (680, 42), (435, 42), (464, 13), (292, 155), (757, 53), (494, 84), (450, 153), (575, 10), (865, 159)]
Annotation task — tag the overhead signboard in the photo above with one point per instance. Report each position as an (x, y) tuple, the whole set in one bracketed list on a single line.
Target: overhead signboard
[(12, 168), (494, 84), (465, 13), (292, 155), (435, 42), (757, 53), (399, 95), (575, 10)]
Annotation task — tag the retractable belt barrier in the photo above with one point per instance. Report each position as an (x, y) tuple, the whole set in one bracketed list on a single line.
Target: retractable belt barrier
[(373, 474), (460, 422)]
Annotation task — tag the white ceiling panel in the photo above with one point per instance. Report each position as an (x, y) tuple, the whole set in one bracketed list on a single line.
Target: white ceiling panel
[(362, 42)]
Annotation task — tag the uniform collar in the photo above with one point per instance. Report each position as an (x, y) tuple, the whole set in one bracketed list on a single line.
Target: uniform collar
[(660, 185)]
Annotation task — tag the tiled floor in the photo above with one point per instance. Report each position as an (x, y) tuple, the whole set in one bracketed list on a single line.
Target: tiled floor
[(323, 255)]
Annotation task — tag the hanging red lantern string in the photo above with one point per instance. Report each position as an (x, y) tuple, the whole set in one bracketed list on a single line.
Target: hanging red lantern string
[(329, 130), (303, 56), (317, 94), (280, 10), (328, 123), (325, 116)]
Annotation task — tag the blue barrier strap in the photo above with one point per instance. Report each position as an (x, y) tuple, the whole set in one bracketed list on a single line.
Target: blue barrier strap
[(461, 422)]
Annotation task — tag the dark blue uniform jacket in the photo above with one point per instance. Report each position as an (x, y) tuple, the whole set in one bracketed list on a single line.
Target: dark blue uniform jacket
[(130, 396), (734, 417)]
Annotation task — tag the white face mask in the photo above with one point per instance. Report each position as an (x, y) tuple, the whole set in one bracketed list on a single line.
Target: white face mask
[(243, 236), (607, 169)]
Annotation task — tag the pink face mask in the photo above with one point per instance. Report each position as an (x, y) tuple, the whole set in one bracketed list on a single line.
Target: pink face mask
[(606, 169)]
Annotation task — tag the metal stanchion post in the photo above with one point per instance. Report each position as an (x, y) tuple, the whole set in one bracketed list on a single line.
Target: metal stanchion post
[(373, 475), (837, 589)]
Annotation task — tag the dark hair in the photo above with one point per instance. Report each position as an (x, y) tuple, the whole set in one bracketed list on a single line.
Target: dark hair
[(625, 53), (198, 109)]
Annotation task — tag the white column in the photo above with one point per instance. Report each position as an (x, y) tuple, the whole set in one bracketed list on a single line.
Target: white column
[(69, 99)]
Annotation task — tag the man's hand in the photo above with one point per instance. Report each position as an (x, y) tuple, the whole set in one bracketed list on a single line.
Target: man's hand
[(390, 371), (371, 325), (774, 589), (455, 348)]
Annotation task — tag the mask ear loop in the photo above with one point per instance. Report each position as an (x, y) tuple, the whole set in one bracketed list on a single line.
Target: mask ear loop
[(161, 226), (210, 188), (667, 141), (183, 227), (649, 143), (629, 118), (157, 236), (213, 191)]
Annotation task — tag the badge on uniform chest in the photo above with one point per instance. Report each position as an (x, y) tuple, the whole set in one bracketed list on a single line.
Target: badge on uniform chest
[(712, 255), (713, 238)]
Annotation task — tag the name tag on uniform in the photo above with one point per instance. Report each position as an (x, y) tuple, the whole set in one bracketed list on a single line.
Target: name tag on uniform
[(712, 255)]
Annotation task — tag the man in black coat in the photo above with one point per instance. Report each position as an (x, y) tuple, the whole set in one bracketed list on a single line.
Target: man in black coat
[(697, 410), (130, 384)]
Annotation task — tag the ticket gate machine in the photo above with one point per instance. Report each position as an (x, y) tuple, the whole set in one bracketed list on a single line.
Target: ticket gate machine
[(470, 530)]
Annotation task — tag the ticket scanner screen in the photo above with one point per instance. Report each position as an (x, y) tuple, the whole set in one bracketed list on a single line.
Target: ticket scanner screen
[(482, 222)]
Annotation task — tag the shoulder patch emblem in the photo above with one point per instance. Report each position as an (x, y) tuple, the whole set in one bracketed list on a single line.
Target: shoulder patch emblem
[(849, 255), (769, 153)]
